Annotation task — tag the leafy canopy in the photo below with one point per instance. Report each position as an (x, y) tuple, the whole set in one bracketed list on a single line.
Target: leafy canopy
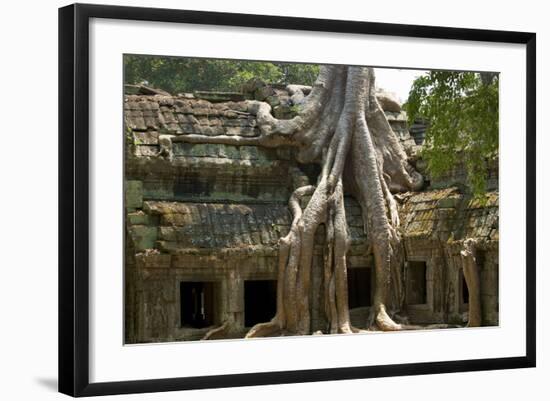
[(178, 74), (461, 112)]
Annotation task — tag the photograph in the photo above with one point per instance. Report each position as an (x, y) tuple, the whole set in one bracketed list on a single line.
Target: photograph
[(276, 198)]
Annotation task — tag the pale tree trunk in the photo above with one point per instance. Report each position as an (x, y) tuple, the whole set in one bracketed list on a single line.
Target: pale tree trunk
[(471, 274), (341, 126)]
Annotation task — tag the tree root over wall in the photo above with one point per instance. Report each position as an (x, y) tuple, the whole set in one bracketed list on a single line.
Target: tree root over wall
[(342, 127), (472, 277)]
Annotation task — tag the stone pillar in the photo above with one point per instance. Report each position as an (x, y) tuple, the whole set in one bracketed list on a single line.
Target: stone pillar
[(489, 288), (436, 283), (234, 294)]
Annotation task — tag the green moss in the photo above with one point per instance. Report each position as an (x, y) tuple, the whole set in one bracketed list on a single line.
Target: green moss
[(134, 194), (144, 237)]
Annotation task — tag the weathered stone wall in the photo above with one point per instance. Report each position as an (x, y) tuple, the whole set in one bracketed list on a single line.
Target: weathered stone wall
[(458, 176), (434, 223), (214, 213), (172, 241)]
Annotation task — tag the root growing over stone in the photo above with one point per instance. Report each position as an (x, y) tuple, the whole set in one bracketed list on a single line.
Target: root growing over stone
[(342, 127)]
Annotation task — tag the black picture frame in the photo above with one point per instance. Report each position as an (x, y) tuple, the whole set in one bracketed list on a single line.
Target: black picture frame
[(74, 194)]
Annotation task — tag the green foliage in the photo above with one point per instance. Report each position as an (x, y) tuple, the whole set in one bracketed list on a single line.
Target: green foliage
[(461, 111), (179, 74), (295, 109), (302, 74)]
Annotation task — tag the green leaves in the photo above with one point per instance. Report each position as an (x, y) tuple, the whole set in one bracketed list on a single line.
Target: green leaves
[(461, 111), (178, 74)]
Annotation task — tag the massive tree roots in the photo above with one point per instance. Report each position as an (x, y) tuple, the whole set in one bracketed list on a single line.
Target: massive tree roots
[(341, 126)]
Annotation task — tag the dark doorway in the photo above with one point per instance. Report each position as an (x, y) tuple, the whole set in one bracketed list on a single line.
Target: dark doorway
[(260, 301), (197, 304), (465, 292), (359, 287), (416, 283)]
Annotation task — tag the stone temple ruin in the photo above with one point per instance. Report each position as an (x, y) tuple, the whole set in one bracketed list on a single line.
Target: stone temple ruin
[(202, 226)]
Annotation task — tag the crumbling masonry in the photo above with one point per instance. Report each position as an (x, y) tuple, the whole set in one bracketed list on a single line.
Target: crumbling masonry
[(202, 226)]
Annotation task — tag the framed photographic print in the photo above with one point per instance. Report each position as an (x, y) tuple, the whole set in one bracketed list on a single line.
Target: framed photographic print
[(235, 210)]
